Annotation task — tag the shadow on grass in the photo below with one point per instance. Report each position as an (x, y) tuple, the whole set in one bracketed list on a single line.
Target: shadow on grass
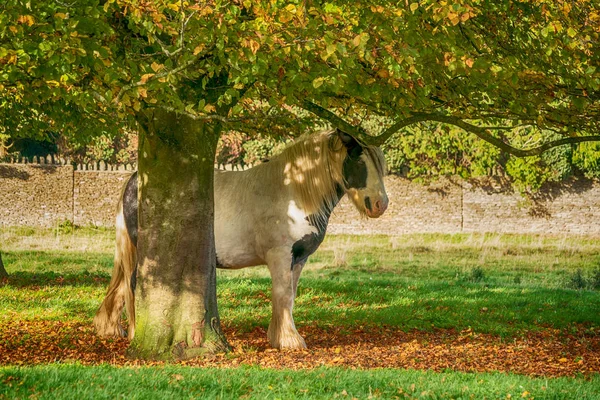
[(23, 279), (504, 310)]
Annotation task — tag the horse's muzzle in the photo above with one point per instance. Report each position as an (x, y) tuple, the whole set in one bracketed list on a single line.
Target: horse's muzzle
[(377, 208)]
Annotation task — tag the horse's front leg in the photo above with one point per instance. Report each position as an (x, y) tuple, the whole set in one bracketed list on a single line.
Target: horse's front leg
[(282, 332)]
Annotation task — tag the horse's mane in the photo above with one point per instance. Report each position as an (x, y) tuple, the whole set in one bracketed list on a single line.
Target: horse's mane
[(312, 166)]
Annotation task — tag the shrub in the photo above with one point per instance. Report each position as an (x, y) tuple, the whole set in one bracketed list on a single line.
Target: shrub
[(595, 279), (577, 280), (477, 274)]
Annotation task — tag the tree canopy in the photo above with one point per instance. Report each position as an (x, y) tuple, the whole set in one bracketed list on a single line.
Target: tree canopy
[(511, 64)]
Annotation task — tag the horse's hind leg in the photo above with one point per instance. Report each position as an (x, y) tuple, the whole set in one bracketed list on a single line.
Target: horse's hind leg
[(282, 331), (107, 319)]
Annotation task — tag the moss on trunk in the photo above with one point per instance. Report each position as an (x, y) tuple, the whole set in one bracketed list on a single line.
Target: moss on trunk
[(176, 307)]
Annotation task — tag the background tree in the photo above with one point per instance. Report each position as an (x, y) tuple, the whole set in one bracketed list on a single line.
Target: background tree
[(185, 71), (3, 273)]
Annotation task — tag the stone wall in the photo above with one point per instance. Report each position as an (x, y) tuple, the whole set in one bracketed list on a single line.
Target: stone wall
[(49, 194), (412, 208), (573, 208), (35, 194), (95, 196)]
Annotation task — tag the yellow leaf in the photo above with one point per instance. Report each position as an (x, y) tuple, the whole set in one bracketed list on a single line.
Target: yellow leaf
[(198, 49), (525, 394), (382, 73), (177, 377), (254, 45), (143, 92), (26, 20), (145, 77), (61, 15), (174, 6), (156, 66), (562, 360), (209, 108), (414, 6), (557, 26), (53, 83)]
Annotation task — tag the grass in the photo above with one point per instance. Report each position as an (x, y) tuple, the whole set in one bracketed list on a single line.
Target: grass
[(524, 283), (105, 382), (505, 285)]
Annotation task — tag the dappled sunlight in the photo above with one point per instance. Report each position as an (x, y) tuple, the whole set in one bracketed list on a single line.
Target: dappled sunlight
[(312, 167)]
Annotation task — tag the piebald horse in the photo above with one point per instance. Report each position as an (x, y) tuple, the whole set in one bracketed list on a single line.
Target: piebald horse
[(275, 214)]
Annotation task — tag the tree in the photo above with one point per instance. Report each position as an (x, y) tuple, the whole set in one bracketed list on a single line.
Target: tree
[(185, 71), (3, 273)]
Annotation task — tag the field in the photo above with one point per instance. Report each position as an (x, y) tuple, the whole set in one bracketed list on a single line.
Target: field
[(416, 316)]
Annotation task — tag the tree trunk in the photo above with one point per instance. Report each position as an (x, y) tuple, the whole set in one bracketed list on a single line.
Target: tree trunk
[(3, 273), (176, 303)]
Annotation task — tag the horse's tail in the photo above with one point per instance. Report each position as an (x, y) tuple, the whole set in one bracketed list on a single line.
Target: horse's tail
[(120, 290)]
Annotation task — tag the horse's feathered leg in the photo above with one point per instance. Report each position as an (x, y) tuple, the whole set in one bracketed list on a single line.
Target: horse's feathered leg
[(282, 331), (107, 319), (296, 271)]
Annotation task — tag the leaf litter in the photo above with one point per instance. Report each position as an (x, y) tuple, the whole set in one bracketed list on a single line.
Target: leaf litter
[(548, 352)]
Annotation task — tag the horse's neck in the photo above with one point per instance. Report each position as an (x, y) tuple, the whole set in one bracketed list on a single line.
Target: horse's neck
[(321, 219)]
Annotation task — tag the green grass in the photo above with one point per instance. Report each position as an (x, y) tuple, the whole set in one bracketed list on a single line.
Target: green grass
[(105, 382), (501, 284)]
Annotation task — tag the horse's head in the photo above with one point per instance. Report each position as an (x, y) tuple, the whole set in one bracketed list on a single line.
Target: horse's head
[(363, 170)]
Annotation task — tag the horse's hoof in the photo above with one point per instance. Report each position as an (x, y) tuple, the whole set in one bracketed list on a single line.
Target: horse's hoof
[(292, 341)]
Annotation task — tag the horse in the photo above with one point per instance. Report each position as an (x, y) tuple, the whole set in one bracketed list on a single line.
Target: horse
[(275, 213)]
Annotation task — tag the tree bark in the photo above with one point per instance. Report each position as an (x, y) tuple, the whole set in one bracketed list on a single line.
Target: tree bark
[(176, 303), (3, 273)]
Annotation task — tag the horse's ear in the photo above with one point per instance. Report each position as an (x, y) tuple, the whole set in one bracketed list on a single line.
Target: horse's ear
[(346, 139)]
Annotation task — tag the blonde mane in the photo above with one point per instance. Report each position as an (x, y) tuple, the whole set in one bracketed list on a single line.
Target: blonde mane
[(312, 166)]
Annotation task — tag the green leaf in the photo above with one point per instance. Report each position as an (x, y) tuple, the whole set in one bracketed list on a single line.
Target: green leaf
[(318, 82)]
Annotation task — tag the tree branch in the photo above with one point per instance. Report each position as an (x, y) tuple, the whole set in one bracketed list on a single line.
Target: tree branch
[(480, 132), (164, 74), (483, 134), (334, 120)]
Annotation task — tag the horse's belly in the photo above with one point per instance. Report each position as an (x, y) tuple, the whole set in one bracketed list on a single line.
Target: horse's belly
[(234, 252)]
